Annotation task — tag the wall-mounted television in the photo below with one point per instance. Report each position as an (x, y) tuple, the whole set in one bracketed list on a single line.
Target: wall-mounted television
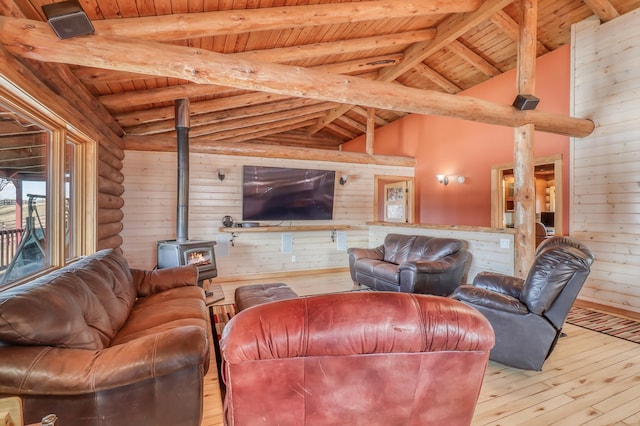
[(278, 193)]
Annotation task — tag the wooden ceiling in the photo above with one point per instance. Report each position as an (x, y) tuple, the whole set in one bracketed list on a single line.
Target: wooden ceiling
[(435, 46)]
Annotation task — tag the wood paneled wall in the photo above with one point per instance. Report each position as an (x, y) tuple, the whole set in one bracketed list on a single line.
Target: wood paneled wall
[(605, 168), (150, 212)]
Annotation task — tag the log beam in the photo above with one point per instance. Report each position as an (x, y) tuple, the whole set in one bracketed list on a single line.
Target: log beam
[(33, 39), (196, 25)]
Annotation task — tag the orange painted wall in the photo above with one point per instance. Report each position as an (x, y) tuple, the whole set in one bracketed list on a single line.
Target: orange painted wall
[(464, 148)]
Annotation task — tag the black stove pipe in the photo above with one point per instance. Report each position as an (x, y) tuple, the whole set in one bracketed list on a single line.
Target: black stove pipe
[(182, 131)]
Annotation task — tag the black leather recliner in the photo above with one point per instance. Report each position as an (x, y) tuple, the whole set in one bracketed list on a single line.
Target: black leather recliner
[(411, 264), (528, 315)]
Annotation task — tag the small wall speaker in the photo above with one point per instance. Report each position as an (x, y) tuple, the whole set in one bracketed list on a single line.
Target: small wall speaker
[(68, 19), (526, 102)]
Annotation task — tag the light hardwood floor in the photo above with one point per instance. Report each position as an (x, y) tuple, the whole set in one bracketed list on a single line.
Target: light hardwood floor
[(589, 379)]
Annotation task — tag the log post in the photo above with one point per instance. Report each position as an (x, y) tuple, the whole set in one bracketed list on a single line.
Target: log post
[(371, 128), (523, 148)]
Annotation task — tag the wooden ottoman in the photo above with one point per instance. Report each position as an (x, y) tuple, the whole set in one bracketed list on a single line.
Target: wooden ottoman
[(256, 294)]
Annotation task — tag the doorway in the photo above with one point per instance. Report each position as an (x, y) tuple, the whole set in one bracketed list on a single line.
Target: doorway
[(548, 206), (393, 199)]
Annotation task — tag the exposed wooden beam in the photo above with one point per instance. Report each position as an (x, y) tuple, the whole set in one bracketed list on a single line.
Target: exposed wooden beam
[(603, 9), (365, 113), (195, 25), (472, 58), (124, 100), (512, 29), (371, 127), (202, 145), (341, 131), (273, 119), (449, 30), (437, 78), (135, 118), (33, 39), (352, 124), (231, 114)]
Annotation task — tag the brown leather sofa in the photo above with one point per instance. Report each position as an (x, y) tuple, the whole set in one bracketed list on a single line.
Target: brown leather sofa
[(360, 358), (528, 315), (98, 343), (411, 264)]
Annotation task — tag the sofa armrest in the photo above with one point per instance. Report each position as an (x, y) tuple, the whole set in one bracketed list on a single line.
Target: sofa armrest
[(46, 370), (157, 280), (428, 266), (363, 253), (499, 283), (489, 299)]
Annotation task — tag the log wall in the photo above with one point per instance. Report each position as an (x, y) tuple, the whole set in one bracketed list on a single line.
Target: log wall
[(605, 169), (62, 97)]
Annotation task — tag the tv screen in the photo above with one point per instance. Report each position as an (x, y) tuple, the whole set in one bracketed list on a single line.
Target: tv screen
[(277, 193), (547, 219)]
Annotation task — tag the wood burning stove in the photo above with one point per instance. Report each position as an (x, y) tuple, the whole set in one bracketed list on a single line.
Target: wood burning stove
[(183, 251), (172, 253)]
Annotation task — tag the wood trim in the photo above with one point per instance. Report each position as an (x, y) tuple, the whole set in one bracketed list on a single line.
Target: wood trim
[(286, 228)]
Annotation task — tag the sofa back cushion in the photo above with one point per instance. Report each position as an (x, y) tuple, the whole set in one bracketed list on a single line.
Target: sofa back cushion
[(108, 276), (432, 248), (552, 269), (55, 310), (82, 305), (397, 247)]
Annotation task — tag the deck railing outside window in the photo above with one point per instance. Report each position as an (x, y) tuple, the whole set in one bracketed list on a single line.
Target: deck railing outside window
[(9, 240)]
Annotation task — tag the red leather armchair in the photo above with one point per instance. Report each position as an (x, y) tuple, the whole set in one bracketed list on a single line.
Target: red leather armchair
[(362, 358)]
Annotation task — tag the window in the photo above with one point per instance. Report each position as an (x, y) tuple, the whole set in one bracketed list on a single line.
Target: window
[(41, 187)]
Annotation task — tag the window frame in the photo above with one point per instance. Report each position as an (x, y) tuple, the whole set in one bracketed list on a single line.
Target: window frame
[(85, 179)]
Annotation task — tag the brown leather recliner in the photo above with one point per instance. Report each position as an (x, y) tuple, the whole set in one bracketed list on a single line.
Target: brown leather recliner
[(411, 264), (361, 358), (528, 315)]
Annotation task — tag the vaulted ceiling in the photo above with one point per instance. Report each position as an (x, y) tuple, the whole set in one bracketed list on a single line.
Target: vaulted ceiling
[(275, 71)]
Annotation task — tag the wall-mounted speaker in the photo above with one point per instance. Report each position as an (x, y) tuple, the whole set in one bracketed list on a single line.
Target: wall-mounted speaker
[(68, 19), (526, 102)]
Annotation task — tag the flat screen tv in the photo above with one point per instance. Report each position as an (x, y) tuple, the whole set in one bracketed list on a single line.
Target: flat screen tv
[(277, 193), (547, 219)]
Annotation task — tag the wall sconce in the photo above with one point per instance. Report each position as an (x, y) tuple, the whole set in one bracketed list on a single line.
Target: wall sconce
[(443, 179), (221, 174), (343, 179)]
